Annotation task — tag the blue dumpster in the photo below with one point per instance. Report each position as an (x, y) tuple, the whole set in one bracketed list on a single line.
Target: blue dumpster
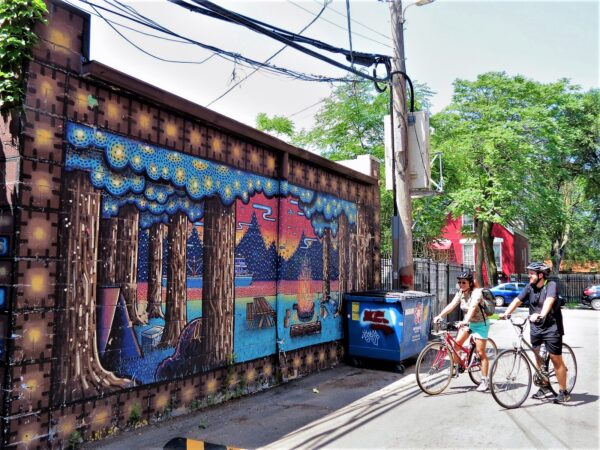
[(387, 325)]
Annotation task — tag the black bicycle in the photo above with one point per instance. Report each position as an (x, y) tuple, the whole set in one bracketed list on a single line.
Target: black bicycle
[(511, 373)]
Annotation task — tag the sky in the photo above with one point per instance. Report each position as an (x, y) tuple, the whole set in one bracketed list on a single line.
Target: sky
[(444, 41)]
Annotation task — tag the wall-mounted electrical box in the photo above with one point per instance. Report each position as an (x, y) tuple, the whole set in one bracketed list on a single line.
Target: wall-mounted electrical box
[(419, 165)]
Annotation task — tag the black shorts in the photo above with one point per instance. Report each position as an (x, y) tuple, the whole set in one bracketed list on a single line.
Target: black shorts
[(553, 342)]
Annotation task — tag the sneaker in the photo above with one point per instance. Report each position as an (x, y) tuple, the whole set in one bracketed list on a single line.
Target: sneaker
[(562, 397), (541, 394), (483, 386)]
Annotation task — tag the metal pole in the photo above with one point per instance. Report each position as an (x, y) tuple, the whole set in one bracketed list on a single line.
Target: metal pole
[(403, 264)]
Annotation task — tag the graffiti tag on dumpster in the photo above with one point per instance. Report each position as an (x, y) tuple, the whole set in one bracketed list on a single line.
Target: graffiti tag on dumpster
[(377, 320), (370, 337)]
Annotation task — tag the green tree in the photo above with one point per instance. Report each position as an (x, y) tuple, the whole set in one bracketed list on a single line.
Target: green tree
[(350, 123), (511, 151), (277, 125), (17, 19)]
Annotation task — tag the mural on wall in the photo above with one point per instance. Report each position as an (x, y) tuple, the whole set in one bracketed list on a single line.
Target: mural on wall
[(184, 265)]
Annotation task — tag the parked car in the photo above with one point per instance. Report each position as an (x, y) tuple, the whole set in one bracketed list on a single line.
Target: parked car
[(505, 293), (591, 297)]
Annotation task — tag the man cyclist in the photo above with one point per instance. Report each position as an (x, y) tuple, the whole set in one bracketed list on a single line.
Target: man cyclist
[(546, 324)]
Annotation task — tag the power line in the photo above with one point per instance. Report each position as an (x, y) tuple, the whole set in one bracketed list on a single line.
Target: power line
[(339, 26), (227, 55), (210, 9), (307, 108), (325, 5), (108, 22), (359, 23)]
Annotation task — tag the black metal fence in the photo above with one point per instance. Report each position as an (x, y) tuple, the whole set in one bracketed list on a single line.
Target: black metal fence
[(570, 285), (430, 276), (440, 279)]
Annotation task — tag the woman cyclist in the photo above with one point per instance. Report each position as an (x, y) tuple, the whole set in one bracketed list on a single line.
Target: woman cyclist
[(470, 300)]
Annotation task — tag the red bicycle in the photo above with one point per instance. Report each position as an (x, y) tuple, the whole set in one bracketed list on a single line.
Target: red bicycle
[(435, 366)]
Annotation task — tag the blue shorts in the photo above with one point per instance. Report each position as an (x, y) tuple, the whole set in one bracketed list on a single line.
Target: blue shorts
[(480, 330)]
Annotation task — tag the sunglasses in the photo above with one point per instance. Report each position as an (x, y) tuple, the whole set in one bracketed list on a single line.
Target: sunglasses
[(463, 282)]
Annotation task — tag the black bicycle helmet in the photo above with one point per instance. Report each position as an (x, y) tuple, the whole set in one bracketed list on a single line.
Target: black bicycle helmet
[(466, 275), (538, 267)]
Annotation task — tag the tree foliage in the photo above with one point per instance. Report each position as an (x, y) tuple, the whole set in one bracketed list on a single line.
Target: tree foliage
[(350, 123), (518, 152), (17, 19)]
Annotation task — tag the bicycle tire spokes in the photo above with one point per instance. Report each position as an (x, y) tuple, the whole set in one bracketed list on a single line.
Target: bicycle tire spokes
[(434, 368), (510, 379)]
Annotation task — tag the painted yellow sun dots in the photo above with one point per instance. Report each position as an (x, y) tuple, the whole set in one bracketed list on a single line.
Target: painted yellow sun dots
[(179, 175), (200, 165), (194, 186), (117, 152)]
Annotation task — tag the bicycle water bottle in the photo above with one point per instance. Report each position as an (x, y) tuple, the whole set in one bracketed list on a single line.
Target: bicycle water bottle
[(544, 355)]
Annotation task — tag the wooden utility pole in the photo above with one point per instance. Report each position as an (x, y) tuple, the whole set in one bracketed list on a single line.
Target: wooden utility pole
[(402, 262)]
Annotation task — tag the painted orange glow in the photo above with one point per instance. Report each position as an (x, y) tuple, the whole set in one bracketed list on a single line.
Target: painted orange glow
[(195, 138), (38, 282), (216, 144), (42, 137), (162, 401), (188, 394), (43, 184), (46, 89), (211, 386), (268, 370), (171, 130), (59, 37), (144, 121), (112, 111), (39, 234), (250, 375), (33, 335), (66, 425)]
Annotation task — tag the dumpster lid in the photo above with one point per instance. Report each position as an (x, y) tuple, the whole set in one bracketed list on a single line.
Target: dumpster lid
[(385, 295)]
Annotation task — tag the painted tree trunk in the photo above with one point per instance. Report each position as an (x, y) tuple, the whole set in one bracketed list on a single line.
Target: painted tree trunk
[(326, 269), (342, 258), (218, 285), (176, 301), (155, 265), (352, 257), (107, 264), (127, 258), (79, 373), (363, 239)]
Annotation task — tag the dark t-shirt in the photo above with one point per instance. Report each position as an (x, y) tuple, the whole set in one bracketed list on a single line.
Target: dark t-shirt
[(537, 296)]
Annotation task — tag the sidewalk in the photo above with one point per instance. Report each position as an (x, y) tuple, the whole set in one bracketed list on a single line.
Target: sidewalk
[(264, 418)]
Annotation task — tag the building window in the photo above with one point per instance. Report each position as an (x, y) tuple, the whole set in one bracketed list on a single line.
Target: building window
[(498, 255), (468, 223), (468, 253)]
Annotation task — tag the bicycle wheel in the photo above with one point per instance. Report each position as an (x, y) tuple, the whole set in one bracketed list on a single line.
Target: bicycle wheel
[(434, 368), (491, 350), (571, 364), (510, 379)]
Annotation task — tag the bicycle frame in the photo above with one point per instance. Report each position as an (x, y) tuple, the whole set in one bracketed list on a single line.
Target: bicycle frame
[(452, 344), (519, 347)]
